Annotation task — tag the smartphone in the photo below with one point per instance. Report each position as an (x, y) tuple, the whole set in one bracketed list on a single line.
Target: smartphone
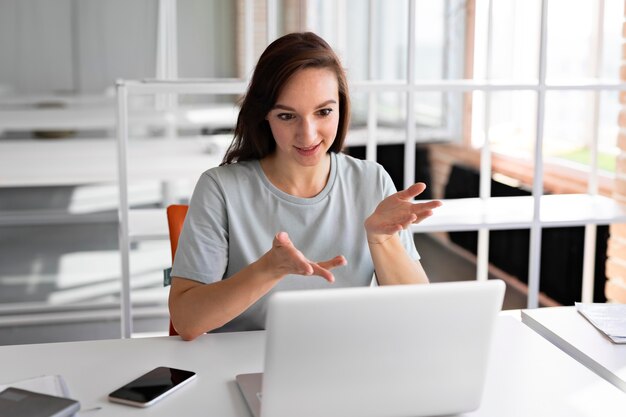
[(151, 387)]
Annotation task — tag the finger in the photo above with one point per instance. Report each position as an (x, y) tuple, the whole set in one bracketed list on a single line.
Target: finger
[(412, 220), (301, 266), (308, 269), (422, 216), (297, 263), (430, 205), (423, 210), (411, 192), (322, 272), (282, 239), (333, 263)]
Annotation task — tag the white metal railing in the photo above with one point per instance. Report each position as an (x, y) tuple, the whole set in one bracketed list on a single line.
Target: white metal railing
[(238, 86), (409, 87), (534, 261)]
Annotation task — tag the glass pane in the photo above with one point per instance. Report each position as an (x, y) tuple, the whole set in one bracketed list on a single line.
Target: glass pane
[(391, 28), (570, 128), (355, 57), (584, 45), (359, 104), (429, 109), (511, 121), (392, 109), (612, 33), (389, 48), (430, 39), (206, 39), (390, 118), (572, 41), (515, 34)]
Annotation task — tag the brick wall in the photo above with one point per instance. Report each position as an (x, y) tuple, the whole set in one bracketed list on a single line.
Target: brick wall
[(616, 264), (557, 178)]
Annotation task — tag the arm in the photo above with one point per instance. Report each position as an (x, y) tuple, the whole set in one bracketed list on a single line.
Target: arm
[(196, 308), (392, 263)]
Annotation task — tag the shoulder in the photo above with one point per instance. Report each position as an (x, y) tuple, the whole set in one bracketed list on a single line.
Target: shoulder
[(359, 170), (226, 174), (221, 182), (349, 164)]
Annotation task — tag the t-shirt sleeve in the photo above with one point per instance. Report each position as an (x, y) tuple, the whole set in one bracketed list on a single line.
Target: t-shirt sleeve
[(202, 253), (406, 236)]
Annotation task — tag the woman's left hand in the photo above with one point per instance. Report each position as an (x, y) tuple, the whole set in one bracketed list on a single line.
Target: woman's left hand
[(398, 212)]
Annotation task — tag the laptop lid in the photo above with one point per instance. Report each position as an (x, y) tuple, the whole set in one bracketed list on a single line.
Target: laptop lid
[(413, 350)]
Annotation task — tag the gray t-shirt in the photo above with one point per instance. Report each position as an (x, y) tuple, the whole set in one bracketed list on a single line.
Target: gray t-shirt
[(235, 212)]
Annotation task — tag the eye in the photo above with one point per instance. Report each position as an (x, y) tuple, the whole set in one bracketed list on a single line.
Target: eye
[(285, 116), (325, 112)]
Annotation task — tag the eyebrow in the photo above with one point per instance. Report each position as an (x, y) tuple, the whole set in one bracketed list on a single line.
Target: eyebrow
[(283, 107)]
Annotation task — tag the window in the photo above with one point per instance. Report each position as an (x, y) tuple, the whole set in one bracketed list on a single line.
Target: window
[(583, 42), (374, 44)]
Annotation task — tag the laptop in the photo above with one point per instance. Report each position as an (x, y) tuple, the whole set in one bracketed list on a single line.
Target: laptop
[(406, 350)]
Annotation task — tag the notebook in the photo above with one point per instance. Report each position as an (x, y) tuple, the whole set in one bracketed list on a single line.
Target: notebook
[(411, 350), (16, 402)]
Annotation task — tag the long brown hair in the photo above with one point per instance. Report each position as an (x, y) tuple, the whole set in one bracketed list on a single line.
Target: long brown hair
[(281, 59)]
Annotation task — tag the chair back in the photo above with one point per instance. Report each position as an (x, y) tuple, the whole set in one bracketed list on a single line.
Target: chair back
[(175, 217)]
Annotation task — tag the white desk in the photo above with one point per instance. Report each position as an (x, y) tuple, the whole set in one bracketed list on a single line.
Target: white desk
[(571, 332), (527, 376)]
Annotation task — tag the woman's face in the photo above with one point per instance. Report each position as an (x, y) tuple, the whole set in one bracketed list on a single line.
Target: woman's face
[(305, 118)]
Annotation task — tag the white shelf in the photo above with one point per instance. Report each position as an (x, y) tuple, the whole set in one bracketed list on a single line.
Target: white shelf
[(73, 161), (102, 116), (466, 214), (147, 224), (463, 214)]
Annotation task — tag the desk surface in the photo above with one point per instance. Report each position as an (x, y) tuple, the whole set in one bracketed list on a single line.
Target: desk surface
[(527, 376), (571, 332)]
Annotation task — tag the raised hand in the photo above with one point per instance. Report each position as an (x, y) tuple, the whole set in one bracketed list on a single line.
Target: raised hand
[(287, 259), (398, 212)]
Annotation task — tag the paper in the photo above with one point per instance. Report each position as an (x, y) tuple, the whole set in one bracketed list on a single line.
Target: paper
[(610, 319)]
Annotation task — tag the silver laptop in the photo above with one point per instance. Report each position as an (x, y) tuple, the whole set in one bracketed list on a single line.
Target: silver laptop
[(415, 350)]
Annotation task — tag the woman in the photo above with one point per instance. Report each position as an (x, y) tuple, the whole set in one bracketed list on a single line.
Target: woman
[(283, 195)]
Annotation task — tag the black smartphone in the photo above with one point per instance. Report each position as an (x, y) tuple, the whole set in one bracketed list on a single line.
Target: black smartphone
[(151, 387)]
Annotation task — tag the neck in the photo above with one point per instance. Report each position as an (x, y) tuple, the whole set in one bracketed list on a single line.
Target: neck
[(296, 180)]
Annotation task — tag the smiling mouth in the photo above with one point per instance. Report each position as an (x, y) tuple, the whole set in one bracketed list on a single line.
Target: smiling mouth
[(307, 151)]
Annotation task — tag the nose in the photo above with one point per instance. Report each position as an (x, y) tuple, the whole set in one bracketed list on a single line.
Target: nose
[(308, 130)]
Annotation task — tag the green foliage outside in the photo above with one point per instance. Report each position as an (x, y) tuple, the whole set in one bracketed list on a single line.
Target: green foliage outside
[(606, 161)]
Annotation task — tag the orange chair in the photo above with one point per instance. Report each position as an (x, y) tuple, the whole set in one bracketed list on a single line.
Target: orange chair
[(175, 217)]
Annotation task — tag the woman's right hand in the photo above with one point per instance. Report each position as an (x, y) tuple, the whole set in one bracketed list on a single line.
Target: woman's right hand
[(284, 259), (196, 308)]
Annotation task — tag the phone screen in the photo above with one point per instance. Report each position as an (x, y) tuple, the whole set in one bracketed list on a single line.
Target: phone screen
[(152, 386)]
